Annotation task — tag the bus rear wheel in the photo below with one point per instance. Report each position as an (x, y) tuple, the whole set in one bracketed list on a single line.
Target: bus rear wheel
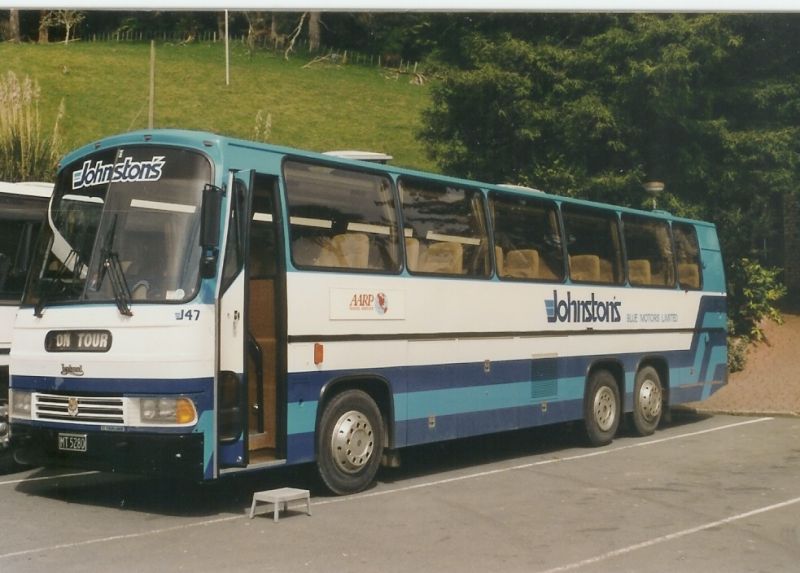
[(601, 408), (349, 442), (648, 399)]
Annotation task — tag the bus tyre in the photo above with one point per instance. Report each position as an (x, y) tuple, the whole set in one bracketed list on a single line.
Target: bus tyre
[(349, 442), (601, 408), (648, 399)]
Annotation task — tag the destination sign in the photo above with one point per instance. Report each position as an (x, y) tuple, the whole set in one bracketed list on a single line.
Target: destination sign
[(77, 341)]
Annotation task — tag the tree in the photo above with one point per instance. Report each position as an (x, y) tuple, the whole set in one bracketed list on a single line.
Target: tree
[(596, 106), (593, 106), (13, 25), (44, 27), (69, 19), (313, 31)]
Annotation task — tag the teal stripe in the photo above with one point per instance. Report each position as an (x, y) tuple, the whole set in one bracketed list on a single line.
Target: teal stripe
[(715, 320), (205, 426), (718, 356), (415, 405), (480, 399), (302, 417)]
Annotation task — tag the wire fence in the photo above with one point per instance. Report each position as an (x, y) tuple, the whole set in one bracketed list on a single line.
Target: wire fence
[(301, 47)]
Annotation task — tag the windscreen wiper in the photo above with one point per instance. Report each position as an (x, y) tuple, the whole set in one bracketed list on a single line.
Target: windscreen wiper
[(122, 292), (57, 284), (111, 266)]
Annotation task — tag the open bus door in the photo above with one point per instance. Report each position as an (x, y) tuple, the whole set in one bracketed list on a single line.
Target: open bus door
[(248, 390)]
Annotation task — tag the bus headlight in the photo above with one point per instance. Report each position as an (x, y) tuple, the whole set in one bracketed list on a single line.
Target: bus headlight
[(167, 411), (20, 404)]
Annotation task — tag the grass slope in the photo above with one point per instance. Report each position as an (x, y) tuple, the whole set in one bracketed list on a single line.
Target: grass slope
[(105, 88)]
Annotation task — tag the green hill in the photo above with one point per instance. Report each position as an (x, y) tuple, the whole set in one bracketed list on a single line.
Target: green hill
[(320, 107)]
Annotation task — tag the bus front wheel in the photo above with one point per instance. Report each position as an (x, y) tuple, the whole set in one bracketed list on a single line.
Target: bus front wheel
[(349, 442), (648, 399), (601, 409)]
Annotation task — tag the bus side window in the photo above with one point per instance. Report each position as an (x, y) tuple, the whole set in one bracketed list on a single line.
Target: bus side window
[(649, 251), (594, 246), (445, 230), (527, 238), (262, 258), (341, 219), (687, 256)]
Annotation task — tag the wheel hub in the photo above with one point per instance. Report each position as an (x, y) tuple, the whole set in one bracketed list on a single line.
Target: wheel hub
[(352, 442), (650, 400), (605, 409)]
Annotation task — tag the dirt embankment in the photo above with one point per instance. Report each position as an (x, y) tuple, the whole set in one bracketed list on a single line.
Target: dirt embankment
[(770, 381)]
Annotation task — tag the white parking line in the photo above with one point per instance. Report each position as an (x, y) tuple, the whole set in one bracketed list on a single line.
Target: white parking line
[(599, 452), (45, 478), (118, 537), (671, 536)]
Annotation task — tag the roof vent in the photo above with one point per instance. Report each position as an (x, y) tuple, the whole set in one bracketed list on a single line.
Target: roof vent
[(371, 156), (519, 187)]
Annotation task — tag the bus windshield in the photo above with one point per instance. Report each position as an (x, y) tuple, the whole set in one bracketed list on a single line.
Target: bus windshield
[(123, 226)]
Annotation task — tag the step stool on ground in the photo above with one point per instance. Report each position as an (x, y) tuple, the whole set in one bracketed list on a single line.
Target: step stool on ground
[(280, 496)]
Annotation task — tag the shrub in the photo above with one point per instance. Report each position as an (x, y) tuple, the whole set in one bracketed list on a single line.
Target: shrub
[(753, 292), (26, 154), (737, 352)]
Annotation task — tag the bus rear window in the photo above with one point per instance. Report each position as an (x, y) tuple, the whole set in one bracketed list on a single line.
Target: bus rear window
[(687, 255)]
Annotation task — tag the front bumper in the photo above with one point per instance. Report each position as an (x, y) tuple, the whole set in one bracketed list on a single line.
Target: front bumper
[(173, 455)]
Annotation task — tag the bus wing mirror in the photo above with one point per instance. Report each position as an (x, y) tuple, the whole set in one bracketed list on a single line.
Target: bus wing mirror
[(209, 229)]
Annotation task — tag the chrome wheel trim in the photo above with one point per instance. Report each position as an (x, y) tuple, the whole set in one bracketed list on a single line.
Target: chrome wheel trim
[(605, 408), (352, 441), (650, 399)]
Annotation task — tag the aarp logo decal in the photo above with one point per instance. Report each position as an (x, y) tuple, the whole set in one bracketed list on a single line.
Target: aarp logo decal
[(367, 304)]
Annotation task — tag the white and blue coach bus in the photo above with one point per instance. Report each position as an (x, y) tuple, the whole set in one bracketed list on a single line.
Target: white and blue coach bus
[(200, 306), (22, 210)]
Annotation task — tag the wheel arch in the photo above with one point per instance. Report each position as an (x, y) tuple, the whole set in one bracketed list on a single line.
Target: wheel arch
[(375, 386), (615, 368)]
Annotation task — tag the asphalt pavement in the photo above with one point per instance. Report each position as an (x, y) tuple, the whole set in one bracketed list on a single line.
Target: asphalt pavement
[(706, 493)]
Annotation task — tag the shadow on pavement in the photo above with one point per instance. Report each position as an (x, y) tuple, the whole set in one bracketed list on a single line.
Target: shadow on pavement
[(233, 494)]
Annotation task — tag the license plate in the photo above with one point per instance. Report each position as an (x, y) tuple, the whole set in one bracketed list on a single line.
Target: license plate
[(72, 442)]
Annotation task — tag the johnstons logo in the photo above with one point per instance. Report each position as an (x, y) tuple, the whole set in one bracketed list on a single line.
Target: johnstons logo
[(582, 309), (124, 171)]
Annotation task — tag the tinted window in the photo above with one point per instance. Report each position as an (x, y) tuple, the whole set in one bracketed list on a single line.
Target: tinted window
[(20, 220), (263, 245), (340, 218), (687, 256), (649, 250), (445, 229), (527, 238), (134, 211), (593, 244)]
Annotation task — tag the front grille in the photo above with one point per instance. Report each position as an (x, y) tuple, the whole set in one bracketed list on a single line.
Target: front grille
[(79, 409)]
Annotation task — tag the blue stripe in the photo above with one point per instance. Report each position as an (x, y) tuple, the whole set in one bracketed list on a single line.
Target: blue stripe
[(123, 386)]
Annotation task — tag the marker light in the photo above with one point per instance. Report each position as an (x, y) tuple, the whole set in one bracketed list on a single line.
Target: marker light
[(20, 404), (184, 411)]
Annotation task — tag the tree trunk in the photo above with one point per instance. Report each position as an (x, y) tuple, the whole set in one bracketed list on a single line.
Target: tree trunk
[(13, 25), (220, 25), (44, 27), (313, 31), (273, 27)]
